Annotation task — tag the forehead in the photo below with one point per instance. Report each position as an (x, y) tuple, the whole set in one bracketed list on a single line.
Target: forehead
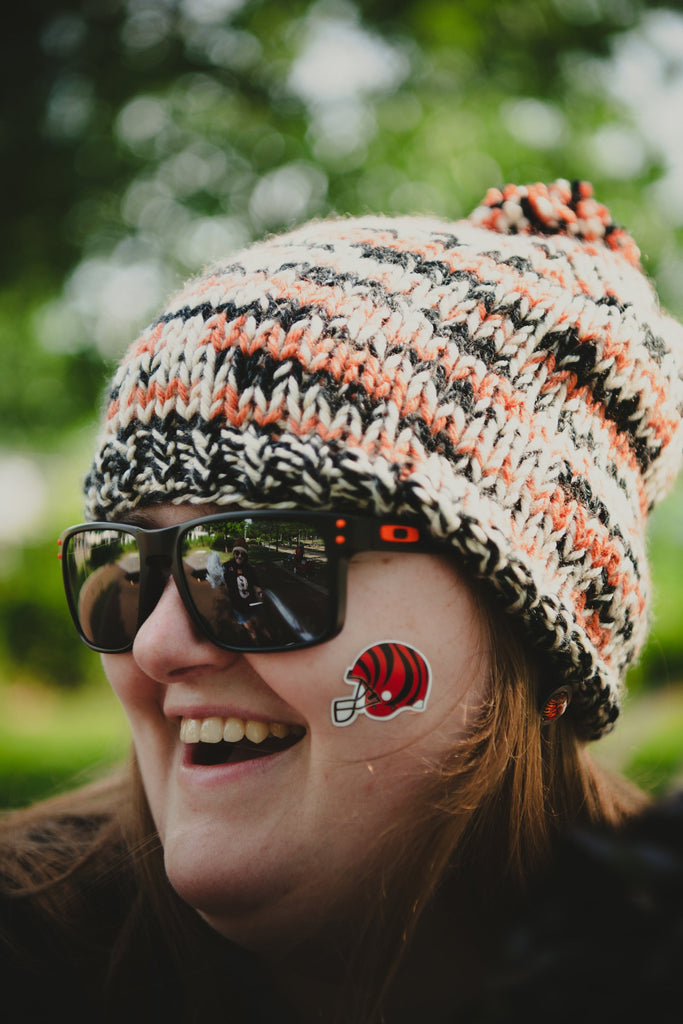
[(158, 516)]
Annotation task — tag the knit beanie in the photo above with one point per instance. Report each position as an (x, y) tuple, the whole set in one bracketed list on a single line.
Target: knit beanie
[(508, 379)]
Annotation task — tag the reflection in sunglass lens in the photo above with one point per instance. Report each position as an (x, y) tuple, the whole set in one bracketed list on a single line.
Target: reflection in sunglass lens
[(103, 570), (259, 583)]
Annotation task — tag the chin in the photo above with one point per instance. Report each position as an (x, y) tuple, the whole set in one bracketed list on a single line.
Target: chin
[(233, 894), (250, 905)]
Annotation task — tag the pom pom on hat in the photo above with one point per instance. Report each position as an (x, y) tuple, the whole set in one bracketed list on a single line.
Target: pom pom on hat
[(509, 379), (559, 208)]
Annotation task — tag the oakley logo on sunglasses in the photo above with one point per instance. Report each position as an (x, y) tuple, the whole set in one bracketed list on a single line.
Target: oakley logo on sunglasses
[(388, 677), (394, 533)]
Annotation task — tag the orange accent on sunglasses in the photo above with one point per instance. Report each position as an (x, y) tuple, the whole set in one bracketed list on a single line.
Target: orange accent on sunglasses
[(395, 533)]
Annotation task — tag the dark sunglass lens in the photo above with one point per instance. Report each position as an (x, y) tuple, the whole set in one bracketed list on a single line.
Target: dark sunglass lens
[(103, 578), (259, 583)]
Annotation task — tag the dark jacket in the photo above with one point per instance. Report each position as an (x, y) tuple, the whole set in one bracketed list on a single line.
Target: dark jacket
[(67, 964)]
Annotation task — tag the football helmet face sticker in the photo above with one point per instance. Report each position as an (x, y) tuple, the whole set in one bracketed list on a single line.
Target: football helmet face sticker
[(388, 678)]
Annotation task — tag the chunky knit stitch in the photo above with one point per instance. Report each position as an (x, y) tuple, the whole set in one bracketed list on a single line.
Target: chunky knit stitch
[(508, 378)]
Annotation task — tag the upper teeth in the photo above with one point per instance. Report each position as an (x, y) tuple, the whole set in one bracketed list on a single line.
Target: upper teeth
[(215, 729)]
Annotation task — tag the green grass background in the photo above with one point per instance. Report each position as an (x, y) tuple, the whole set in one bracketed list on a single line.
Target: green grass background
[(50, 741)]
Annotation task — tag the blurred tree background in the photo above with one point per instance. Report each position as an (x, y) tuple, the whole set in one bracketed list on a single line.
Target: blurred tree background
[(142, 138)]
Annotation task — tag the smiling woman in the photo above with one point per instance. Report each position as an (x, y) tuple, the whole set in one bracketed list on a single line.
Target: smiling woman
[(364, 560)]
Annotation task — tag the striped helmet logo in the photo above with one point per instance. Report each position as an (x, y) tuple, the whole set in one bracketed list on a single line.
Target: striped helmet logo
[(388, 677)]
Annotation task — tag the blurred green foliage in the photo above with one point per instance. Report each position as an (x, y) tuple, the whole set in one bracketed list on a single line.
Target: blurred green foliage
[(139, 139), (51, 740)]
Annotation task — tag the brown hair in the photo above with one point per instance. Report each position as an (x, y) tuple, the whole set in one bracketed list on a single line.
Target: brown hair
[(488, 823), (485, 825)]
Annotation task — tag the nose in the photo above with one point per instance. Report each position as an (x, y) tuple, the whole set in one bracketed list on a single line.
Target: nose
[(169, 646)]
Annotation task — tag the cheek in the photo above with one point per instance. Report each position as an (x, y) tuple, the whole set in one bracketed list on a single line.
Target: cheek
[(136, 691), (408, 669), (151, 737), (420, 653)]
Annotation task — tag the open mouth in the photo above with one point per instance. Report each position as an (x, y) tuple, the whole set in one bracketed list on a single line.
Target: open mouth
[(216, 741)]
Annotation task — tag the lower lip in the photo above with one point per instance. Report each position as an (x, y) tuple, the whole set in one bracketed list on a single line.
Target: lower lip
[(230, 773)]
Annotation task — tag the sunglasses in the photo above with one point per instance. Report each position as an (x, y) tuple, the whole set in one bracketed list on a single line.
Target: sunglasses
[(265, 581)]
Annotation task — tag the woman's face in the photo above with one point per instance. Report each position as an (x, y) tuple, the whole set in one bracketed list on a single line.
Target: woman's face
[(268, 846)]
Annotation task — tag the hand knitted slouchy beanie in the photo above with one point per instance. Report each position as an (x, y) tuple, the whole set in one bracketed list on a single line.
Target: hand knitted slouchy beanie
[(509, 379)]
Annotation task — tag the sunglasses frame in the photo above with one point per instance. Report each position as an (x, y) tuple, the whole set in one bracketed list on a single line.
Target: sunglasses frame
[(344, 535)]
